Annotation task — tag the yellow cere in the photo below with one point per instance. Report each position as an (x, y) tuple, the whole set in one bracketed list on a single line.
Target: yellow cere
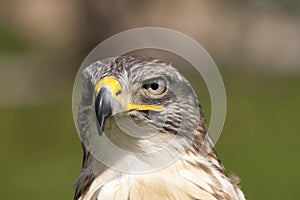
[(111, 83)]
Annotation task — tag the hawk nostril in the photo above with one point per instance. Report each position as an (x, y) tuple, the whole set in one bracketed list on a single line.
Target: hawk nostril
[(118, 92)]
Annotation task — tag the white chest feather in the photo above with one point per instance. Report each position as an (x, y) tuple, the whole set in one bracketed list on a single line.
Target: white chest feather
[(188, 178)]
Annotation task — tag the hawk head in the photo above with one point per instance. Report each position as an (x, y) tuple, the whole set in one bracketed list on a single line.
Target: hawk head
[(142, 104)]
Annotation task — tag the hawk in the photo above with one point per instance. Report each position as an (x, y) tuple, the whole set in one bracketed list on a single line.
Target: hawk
[(152, 93)]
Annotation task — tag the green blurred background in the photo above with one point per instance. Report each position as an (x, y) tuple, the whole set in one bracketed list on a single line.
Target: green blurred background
[(256, 45)]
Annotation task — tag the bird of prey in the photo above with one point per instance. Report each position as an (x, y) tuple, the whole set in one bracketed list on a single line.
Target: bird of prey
[(149, 92)]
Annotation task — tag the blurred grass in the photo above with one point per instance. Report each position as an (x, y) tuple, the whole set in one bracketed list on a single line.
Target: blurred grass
[(12, 42), (260, 140), (41, 152)]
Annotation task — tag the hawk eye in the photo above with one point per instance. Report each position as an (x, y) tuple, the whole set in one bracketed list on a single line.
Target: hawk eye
[(156, 86)]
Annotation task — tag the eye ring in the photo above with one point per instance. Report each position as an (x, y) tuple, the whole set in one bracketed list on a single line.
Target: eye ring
[(155, 86)]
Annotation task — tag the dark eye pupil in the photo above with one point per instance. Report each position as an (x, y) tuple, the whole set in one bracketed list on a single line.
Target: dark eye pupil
[(154, 86)]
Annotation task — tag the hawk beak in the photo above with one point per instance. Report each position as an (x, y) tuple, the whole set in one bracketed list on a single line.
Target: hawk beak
[(104, 106), (109, 101)]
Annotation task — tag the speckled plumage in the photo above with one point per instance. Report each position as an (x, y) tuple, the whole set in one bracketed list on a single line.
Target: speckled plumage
[(197, 174)]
